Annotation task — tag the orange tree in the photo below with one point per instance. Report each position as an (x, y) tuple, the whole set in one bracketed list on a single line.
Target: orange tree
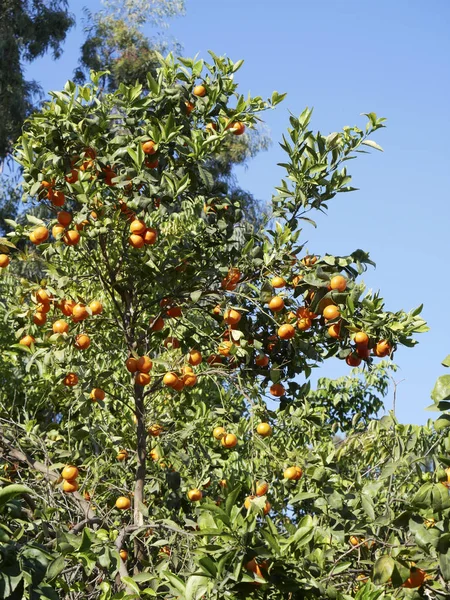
[(164, 440)]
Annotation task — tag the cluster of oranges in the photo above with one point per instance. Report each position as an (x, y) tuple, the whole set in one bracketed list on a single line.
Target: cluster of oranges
[(70, 475), (141, 235), (229, 440)]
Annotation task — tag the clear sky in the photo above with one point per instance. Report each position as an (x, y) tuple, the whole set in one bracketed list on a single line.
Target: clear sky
[(344, 58)]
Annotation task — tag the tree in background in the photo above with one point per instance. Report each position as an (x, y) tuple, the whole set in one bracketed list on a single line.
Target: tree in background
[(167, 443)]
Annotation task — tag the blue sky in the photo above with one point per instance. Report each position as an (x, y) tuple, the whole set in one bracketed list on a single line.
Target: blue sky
[(344, 58)]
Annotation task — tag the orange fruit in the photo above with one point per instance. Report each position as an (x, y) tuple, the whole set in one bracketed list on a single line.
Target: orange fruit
[(195, 357), (189, 107), (248, 502), (66, 307), (278, 282), (96, 307), (354, 541), (352, 360), (56, 197), (97, 394), (39, 235), (43, 308), (27, 340), (331, 312), (72, 177), (71, 237), (225, 348), (361, 338), (123, 503), (123, 554), (363, 352), (262, 360), (219, 433), (334, 330), (150, 236), (309, 261), (296, 280), (382, 348), (138, 227), (179, 385), (264, 429), (142, 379), (171, 341), (277, 390), (69, 486), (216, 310), (149, 147), (194, 495), (199, 91), (144, 364), (155, 430), (39, 318), (338, 283), (4, 261), (170, 379), (211, 127), (174, 312), (70, 379), (237, 127), (255, 568), (229, 440), (151, 164), (286, 332), (136, 241), (60, 326), (293, 473), (80, 312), (70, 472), (232, 316), (64, 218), (131, 364), (304, 313), (42, 296), (189, 379), (122, 455), (157, 324), (262, 488), (415, 579), (276, 304)]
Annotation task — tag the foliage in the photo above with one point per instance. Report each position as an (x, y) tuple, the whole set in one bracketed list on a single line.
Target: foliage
[(150, 443)]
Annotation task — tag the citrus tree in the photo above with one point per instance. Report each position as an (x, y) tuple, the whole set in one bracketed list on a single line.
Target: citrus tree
[(164, 440)]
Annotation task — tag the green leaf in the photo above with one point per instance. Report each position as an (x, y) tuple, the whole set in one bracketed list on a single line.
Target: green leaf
[(441, 390), (9, 492), (131, 584), (382, 569), (367, 504), (231, 499), (446, 361), (208, 565), (196, 586), (442, 422), (175, 582), (305, 532), (55, 567), (372, 144)]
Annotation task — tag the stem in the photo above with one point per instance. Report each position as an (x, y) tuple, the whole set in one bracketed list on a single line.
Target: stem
[(141, 455)]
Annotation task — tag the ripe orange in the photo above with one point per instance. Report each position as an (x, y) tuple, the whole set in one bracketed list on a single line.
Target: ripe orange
[(361, 338), (415, 579), (211, 127), (219, 432), (60, 326), (352, 360), (96, 307), (70, 379), (248, 502), (157, 324), (338, 283), (331, 312), (276, 304), (354, 541), (123, 503), (138, 227), (170, 379), (179, 385), (57, 230), (199, 91), (151, 164), (255, 568), (142, 379), (267, 507), (149, 147), (296, 280), (27, 340), (334, 330), (155, 430), (66, 307), (277, 390), (131, 364), (216, 310), (189, 107), (80, 312), (42, 296), (136, 241), (174, 312), (97, 394), (171, 341), (123, 554), (309, 261), (305, 313), (382, 349), (122, 455), (262, 360), (229, 440), (232, 316), (56, 197), (237, 127), (363, 352), (262, 488), (70, 472), (194, 495), (69, 486), (39, 318), (43, 308), (71, 237), (293, 473), (286, 332), (72, 177), (39, 235), (264, 429), (189, 379), (150, 236), (225, 348), (64, 218), (278, 282), (195, 357), (144, 364), (4, 261)]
